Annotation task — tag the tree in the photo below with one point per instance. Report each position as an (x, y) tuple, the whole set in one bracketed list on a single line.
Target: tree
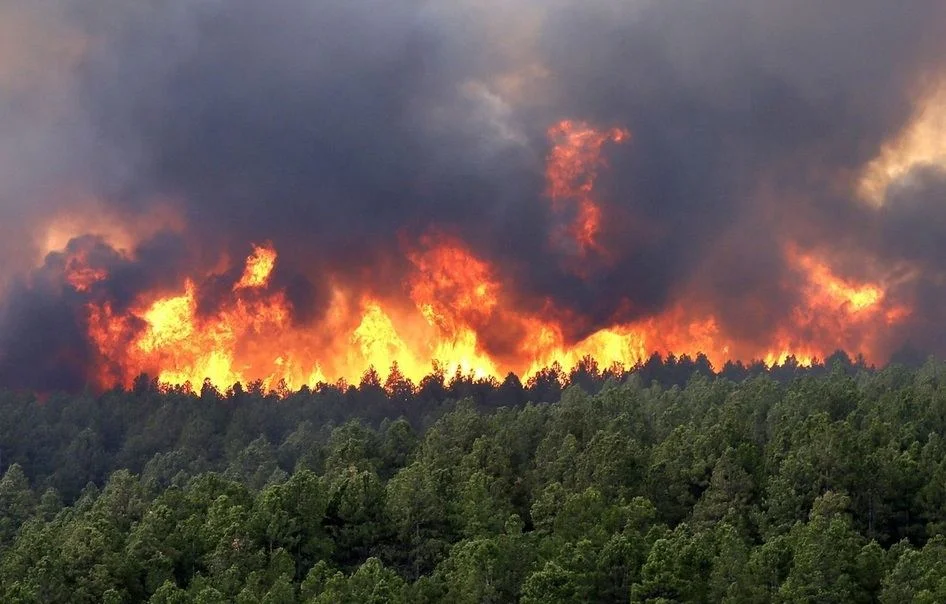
[(677, 567), (290, 517), (371, 583), (487, 570), (825, 556), (17, 503), (256, 465), (398, 388), (918, 576)]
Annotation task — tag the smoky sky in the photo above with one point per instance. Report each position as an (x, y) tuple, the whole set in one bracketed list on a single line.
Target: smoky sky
[(340, 130)]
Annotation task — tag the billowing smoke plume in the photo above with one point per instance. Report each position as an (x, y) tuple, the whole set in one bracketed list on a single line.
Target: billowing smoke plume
[(342, 132)]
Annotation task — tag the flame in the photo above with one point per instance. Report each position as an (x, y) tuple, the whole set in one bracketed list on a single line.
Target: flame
[(458, 312), (259, 266), (457, 294), (451, 286), (851, 297), (571, 171), (185, 347), (456, 297), (836, 313)]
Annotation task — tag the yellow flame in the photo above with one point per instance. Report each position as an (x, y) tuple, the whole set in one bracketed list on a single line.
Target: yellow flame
[(170, 321), (259, 267), (849, 296)]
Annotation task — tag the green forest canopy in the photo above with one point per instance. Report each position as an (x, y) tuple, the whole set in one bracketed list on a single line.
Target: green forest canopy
[(666, 483)]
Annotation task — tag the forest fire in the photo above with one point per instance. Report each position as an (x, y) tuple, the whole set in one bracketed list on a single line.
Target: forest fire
[(454, 308), (456, 297), (459, 301), (835, 312), (571, 171), (468, 187), (259, 267)]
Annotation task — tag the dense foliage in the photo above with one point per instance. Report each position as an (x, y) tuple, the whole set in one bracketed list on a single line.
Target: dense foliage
[(667, 483)]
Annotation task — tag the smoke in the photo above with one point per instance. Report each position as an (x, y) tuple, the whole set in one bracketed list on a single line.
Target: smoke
[(338, 131)]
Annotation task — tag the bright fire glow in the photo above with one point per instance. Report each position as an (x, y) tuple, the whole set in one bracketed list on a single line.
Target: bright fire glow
[(259, 266), (91, 217), (571, 170), (80, 274), (457, 311), (456, 297), (837, 313), (922, 142)]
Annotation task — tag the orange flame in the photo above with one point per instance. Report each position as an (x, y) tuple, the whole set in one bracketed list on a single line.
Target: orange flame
[(458, 313), (571, 171), (452, 287), (259, 266), (80, 275), (456, 296), (837, 313)]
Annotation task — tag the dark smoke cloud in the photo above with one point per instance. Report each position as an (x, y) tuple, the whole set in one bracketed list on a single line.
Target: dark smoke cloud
[(43, 343), (727, 100), (340, 130)]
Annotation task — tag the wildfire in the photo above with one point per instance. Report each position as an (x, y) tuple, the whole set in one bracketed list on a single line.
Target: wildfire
[(452, 287), (837, 313), (850, 297), (571, 171), (455, 297), (457, 311), (259, 266)]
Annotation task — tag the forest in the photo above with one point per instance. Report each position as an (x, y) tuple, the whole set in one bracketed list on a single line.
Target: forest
[(668, 482)]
